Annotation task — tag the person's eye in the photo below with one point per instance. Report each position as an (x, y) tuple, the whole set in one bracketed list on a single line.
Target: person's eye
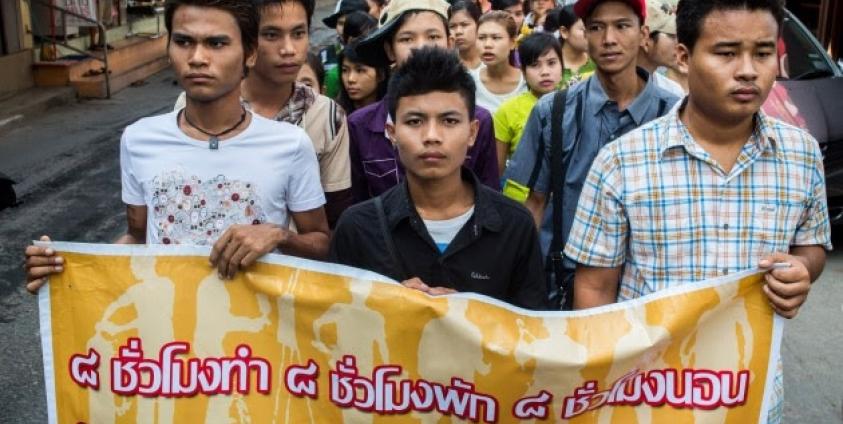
[(434, 36), (726, 54), (217, 44), (405, 40), (299, 34), (413, 122), (181, 43), (451, 121), (271, 35), (764, 54)]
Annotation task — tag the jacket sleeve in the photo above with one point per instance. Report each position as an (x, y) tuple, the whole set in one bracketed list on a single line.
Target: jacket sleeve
[(359, 184)]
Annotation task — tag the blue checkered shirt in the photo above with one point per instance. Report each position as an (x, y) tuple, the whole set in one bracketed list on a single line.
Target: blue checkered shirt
[(659, 204)]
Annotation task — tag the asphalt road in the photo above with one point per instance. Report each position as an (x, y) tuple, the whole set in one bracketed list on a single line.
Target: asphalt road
[(67, 166)]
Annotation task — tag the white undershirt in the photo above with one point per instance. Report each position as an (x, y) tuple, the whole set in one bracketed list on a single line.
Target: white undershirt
[(443, 232)]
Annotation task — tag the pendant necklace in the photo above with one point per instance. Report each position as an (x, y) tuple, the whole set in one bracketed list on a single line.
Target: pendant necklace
[(214, 141)]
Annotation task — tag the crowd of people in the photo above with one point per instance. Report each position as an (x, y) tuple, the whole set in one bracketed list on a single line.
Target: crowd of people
[(550, 155)]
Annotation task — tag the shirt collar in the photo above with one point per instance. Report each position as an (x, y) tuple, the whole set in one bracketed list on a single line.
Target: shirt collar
[(597, 97), (399, 205), (676, 133)]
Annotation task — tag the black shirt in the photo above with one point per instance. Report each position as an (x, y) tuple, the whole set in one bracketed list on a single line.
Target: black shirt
[(496, 252)]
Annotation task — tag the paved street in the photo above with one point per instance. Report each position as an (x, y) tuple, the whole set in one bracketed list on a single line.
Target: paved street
[(67, 166)]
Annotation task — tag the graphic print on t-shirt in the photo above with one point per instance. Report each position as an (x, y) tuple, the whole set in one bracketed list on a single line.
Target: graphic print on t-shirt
[(196, 212)]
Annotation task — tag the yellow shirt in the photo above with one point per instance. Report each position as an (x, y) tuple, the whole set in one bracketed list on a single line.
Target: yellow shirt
[(510, 118)]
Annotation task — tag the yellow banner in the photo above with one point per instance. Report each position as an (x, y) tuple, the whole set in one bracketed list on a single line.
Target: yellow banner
[(150, 334)]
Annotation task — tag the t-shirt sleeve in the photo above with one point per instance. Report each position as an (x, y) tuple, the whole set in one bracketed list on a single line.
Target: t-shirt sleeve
[(305, 190), (814, 227), (529, 167), (503, 129), (599, 233), (335, 164), (132, 189)]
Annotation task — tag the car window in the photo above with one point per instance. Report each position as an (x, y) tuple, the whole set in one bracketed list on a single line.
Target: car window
[(799, 56)]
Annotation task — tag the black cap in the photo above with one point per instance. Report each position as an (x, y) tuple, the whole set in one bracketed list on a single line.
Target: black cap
[(344, 7)]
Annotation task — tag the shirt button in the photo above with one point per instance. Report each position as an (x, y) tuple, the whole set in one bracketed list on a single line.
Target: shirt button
[(725, 226), (725, 271)]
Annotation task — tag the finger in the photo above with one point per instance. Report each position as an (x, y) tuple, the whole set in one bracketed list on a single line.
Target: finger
[(33, 250), (219, 246), (33, 286), (37, 261), (236, 258), (769, 260), (250, 259), (438, 291), (225, 258), (417, 284), (796, 272), (787, 290), (43, 271), (785, 305)]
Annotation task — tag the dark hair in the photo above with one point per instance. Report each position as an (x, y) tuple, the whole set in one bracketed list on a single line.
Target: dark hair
[(503, 4), (533, 46), (430, 69), (399, 22), (691, 14), (349, 54), (308, 5), (502, 18), (243, 11), (469, 7), (315, 63), (358, 24), (560, 17)]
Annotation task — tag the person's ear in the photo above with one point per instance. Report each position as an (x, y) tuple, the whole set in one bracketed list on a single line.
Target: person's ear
[(390, 133), (645, 36), (683, 58), (474, 129)]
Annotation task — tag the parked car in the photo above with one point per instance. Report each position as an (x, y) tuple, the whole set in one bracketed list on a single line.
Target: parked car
[(809, 94)]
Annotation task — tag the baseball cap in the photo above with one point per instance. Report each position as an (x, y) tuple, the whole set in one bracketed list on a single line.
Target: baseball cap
[(661, 16), (370, 49), (345, 7), (583, 8)]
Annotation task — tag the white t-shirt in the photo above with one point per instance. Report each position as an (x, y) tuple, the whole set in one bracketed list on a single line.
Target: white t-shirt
[(443, 231), (193, 194), (491, 101)]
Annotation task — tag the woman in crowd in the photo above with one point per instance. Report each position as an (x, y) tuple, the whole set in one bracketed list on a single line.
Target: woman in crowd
[(578, 65), (462, 22), (541, 63), (515, 8), (497, 81), (312, 74), (535, 19), (362, 84)]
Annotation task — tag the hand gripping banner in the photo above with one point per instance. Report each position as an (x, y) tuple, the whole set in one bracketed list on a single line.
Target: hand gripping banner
[(151, 334)]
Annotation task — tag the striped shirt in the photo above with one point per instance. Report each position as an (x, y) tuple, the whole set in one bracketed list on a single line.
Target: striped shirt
[(658, 203)]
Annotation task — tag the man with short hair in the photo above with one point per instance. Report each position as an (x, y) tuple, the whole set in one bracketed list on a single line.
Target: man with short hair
[(214, 173), (658, 54), (406, 25), (436, 230), (715, 187), (616, 99), (271, 90)]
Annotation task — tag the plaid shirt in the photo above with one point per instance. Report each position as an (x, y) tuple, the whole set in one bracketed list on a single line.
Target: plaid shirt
[(658, 203)]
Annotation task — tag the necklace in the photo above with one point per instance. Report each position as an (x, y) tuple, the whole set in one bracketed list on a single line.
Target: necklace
[(214, 141)]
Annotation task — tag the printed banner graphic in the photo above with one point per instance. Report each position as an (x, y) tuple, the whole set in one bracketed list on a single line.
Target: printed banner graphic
[(151, 334)]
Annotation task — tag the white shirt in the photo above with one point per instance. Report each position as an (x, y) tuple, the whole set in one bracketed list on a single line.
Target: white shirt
[(193, 194), (491, 101)]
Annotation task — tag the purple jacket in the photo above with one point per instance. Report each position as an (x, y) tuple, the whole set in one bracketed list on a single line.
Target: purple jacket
[(375, 167)]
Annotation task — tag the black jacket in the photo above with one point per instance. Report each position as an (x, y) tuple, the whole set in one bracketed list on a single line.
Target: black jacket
[(496, 253)]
